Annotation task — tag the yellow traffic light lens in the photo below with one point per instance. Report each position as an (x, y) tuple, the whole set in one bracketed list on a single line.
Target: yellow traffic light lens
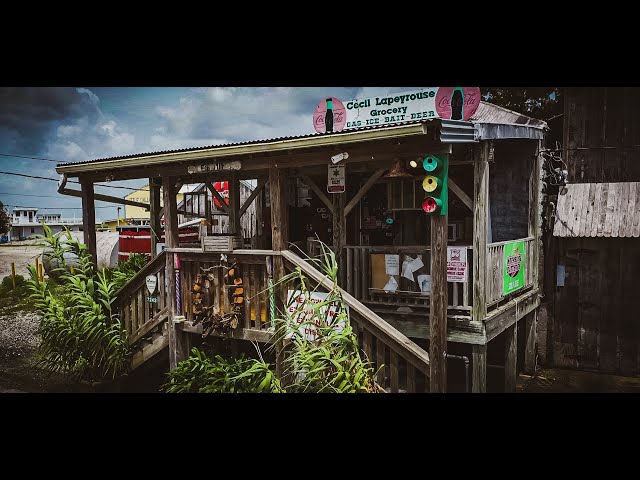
[(430, 183)]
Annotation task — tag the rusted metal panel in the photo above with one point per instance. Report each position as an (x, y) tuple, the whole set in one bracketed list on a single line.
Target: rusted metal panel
[(598, 210)]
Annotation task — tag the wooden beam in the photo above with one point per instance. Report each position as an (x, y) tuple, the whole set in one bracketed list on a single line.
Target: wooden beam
[(89, 220), (234, 205), (453, 186), (318, 191), (438, 310), (480, 223), (149, 351), (256, 191), (171, 240), (530, 326), (339, 234), (510, 358), (280, 241), (104, 198), (502, 318), (217, 196), (207, 212), (479, 368), (155, 185), (365, 188)]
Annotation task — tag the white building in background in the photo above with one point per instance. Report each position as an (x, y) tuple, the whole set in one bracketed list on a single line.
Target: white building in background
[(27, 222)]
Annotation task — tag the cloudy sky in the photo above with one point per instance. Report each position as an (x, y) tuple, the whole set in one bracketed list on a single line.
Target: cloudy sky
[(74, 124)]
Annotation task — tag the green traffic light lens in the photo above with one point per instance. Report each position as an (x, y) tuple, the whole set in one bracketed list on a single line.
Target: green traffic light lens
[(430, 163)]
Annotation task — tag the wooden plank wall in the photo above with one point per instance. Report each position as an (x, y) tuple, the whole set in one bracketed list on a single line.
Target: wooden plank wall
[(597, 117), (596, 325), (509, 189)]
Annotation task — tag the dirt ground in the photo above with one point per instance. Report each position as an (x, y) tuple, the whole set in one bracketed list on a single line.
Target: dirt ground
[(21, 253), (556, 380)]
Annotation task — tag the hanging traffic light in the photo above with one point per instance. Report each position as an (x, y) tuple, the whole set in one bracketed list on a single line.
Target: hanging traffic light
[(435, 184)]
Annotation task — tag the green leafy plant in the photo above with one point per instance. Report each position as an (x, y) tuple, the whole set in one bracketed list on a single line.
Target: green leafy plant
[(203, 373), (82, 336), (327, 361)]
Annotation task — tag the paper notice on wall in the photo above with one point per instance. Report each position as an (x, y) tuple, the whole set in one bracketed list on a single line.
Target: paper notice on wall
[(391, 286), (410, 266), (456, 264), (406, 269), (424, 281), (392, 264)]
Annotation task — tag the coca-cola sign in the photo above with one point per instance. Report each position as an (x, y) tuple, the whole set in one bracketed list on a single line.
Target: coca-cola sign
[(454, 103)]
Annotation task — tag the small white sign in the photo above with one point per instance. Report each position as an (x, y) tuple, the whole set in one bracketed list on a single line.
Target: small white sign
[(304, 316), (392, 264), (152, 283), (336, 182), (425, 283), (457, 264)]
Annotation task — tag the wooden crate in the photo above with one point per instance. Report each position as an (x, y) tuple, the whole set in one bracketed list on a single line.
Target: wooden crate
[(221, 243)]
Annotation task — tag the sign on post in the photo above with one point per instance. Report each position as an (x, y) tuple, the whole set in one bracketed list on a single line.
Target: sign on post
[(336, 183), (151, 281), (514, 264), (456, 264)]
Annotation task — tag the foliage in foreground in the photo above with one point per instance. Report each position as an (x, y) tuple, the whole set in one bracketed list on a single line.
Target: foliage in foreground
[(328, 361), (82, 336)]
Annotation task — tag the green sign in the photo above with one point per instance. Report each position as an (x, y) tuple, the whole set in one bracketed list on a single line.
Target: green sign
[(513, 270), (153, 299)]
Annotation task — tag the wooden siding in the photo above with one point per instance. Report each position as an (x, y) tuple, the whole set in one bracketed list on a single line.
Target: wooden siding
[(599, 210), (598, 117)]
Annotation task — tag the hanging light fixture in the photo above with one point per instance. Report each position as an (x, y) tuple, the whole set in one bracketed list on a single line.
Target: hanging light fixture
[(398, 170)]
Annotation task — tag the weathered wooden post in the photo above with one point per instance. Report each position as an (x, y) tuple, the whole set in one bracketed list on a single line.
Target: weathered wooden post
[(13, 273), (154, 214), (89, 219), (178, 349), (438, 308), (280, 239), (480, 223)]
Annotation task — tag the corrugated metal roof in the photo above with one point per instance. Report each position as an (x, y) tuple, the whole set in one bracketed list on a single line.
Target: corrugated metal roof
[(486, 113), (598, 210)]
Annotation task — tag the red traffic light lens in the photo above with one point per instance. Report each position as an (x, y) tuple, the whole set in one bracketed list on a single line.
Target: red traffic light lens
[(430, 205)]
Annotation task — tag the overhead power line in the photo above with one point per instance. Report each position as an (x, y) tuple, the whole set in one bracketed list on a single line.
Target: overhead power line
[(54, 208), (31, 158), (72, 181)]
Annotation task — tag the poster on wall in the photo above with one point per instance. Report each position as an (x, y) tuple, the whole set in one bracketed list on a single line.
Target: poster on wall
[(514, 265), (456, 264)]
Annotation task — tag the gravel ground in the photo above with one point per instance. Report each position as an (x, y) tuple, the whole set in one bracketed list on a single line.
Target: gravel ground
[(18, 345), (22, 253)]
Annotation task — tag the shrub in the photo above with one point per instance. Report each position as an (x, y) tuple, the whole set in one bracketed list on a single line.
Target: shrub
[(82, 336)]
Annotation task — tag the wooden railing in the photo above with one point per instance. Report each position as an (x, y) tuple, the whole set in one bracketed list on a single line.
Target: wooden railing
[(405, 366), (141, 316), (253, 268), (357, 280), (495, 269)]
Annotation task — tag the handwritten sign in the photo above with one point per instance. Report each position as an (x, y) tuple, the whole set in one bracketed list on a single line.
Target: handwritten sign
[(308, 319)]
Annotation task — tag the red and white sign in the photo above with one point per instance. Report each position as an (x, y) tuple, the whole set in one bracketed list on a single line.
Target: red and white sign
[(457, 264), (457, 103), (337, 179), (334, 120), (223, 189), (308, 319)]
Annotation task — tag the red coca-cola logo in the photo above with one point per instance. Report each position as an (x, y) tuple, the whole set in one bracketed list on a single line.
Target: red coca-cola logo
[(469, 96), (337, 121)]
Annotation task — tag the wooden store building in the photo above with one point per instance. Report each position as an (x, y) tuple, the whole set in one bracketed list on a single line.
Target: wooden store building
[(359, 190)]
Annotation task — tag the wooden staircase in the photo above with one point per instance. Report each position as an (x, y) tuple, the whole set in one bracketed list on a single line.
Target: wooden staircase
[(405, 365)]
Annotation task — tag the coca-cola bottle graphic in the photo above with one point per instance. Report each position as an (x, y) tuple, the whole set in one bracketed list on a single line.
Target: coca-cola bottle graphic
[(328, 117), (457, 103)]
